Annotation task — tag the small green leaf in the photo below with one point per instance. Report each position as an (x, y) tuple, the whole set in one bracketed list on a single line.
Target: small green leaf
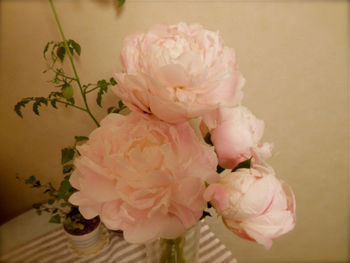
[(55, 219), (38, 212), (71, 100), (112, 81), (67, 91), (75, 46), (50, 201), (21, 104), (67, 168), (53, 103), (206, 184), (46, 48), (81, 138), (36, 183), (37, 104), (121, 3), (244, 164), (67, 155), (36, 206), (60, 52), (102, 84), (30, 180), (64, 187), (111, 109), (99, 98)]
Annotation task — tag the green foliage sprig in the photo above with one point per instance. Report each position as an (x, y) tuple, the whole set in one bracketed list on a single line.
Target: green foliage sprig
[(54, 54), (64, 92)]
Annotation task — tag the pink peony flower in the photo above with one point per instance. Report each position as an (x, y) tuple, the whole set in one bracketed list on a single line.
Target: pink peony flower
[(254, 204), (235, 133), (143, 176), (178, 72)]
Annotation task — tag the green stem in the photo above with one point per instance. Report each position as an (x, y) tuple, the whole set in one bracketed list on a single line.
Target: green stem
[(88, 91), (72, 63), (69, 104)]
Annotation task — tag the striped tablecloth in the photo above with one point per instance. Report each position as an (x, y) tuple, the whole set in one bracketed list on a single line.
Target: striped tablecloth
[(53, 247)]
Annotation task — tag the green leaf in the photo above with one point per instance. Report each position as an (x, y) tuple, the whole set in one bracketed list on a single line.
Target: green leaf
[(36, 206), (36, 183), (99, 98), (53, 103), (67, 91), (55, 219), (67, 155), (67, 168), (46, 48), (121, 3), (30, 180), (38, 212), (64, 187), (111, 109), (75, 46), (244, 164), (121, 105), (102, 84), (50, 201), (60, 52), (81, 138), (21, 104), (71, 100), (37, 104), (112, 81)]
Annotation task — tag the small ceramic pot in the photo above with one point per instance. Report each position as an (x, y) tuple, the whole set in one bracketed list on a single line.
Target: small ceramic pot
[(90, 243)]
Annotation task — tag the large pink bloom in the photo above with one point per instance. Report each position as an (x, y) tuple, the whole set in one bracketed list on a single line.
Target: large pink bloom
[(236, 134), (143, 176), (178, 72), (254, 204)]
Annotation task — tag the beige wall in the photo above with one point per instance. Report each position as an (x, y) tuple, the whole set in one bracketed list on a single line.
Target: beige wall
[(294, 55)]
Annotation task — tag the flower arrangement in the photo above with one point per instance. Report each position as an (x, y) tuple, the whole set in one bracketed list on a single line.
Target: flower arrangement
[(145, 173), (186, 145)]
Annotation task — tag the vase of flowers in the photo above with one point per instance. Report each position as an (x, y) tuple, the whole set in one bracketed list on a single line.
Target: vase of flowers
[(149, 172)]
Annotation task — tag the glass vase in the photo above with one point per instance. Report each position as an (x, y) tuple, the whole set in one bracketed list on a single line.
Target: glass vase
[(183, 249)]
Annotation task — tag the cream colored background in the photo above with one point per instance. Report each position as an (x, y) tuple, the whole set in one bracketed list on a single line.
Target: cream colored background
[(293, 54)]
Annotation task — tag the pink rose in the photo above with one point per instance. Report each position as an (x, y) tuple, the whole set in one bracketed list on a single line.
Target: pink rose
[(235, 133), (178, 72), (254, 204), (143, 176)]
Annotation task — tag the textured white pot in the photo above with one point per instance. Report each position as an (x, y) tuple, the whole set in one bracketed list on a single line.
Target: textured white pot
[(90, 243)]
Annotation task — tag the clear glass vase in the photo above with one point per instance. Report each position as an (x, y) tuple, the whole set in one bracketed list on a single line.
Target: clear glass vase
[(183, 249)]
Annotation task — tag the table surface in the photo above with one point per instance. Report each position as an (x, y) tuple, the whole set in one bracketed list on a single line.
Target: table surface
[(30, 238)]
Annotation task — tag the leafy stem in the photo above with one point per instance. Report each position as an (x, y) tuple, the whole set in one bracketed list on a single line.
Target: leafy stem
[(72, 63), (67, 104)]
